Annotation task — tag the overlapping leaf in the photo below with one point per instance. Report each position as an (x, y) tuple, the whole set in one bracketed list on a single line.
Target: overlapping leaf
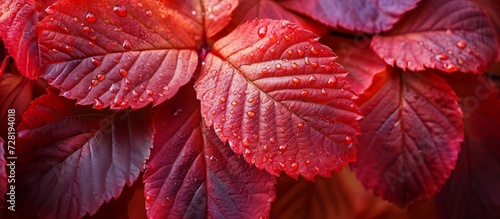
[(119, 53), (280, 99), (473, 188), (192, 174), (72, 158), (218, 15), (411, 135), (446, 35), (367, 16), (18, 22), (17, 93), (357, 58)]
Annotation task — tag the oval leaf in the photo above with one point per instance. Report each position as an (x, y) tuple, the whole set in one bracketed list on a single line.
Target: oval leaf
[(472, 189), (192, 174), (280, 99), (446, 35), (367, 16), (73, 158), (411, 135), (118, 55)]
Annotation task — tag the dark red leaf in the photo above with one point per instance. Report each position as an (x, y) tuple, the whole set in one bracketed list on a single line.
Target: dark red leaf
[(218, 14), (357, 58), (16, 94), (73, 158), (411, 135), (492, 7), (473, 188), (3, 174), (446, 35), (18, 21), (192, 174), (367, 16), (119, 54), (250, 10), (280, 99)]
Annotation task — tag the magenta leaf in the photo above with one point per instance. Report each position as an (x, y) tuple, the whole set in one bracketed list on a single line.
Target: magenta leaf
[(367, 16), (473, 187), (119, 54), (280, 99), (17, 93), (357, 58), (440, 34), (18, 21), (73, 158), (3, 174), (192, 174), (411, 135)]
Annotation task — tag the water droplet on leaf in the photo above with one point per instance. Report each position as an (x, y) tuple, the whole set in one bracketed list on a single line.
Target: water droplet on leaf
[(262, 31), (120, 10), (90, 17)]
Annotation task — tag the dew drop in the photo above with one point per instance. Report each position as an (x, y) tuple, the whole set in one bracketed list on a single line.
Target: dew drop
[(90, 17), (278, 66), (308, 162), (314, 64), (282, 165), (294, 166), (441, 56), (149, 199), (300, 52), (265, 148), (262, 31), (118, 29), (314, 51), (234, 103), (98, 104), (264, 71), (251, 114), (312, 79), (461, 44), (120, 10), (55, 50), (290, 52), (149, 13), (323, 92), (69, 48), (273, 39), (304, 93), (222, 99), (287, 38), (91, 44), (250, 100), (76, 20), (451, 67), (295, 80), (300, 125), (282, 148), (272, 141), (247, 152), (149, 92), (126, 45), (348, 140), (332, 82), (294, 65), (101, 77), (123, 72)]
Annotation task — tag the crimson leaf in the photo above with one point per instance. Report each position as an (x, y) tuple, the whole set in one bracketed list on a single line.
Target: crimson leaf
[(18, 21), (411, 135), (367, 16), (280, 99), (16, 94), (192, 174), (473, 188), (73, 158), (446, 35), (118, 53)]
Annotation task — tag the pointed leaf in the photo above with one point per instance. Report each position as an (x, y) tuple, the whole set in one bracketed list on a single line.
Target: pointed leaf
[(411, 135), (367, 16), (73, 158), (218, 14), (18, 21), (191, 174), (119, 55), (16, 93), (3, 174), (473, 188), (446, 35), (280, 99)]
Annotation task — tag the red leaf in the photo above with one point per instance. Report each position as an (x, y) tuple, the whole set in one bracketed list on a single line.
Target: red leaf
[(18, 21), (446, 35), (366, 16), (119, 55), (3, 174), (73, 158), (473, 188), (357, 58), (411, 135), (192, 174), (491, 7), (218, 14), (17, 93), (280, 99), (250, 10)]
